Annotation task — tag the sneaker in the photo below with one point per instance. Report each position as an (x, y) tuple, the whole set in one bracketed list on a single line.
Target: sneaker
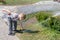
[(10, 34), (13, 34)]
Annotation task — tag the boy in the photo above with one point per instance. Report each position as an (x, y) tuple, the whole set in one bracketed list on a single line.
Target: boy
[(12, 21)]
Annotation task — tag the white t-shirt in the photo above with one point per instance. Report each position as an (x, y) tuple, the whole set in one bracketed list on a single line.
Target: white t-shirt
[(14, 16)]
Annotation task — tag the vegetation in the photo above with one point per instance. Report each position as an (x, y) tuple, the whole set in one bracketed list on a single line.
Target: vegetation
[(20, 2), (53, 23), (3, 1), (39, 32), (43, 15)]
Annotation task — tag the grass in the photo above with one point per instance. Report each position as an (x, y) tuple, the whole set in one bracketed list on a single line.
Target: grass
[(20, 2), (38, 32), (43, 15)]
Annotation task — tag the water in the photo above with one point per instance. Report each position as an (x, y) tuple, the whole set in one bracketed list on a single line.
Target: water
[(40, 6)]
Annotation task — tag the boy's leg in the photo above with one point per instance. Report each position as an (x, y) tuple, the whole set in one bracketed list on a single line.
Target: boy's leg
[(22, 26), (15, 25), (10, 27)]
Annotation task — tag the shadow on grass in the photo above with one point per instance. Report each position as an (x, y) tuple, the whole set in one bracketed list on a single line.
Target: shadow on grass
[(26, 31)]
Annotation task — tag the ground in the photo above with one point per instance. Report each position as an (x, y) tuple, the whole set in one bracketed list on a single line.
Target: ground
[(4, 30)]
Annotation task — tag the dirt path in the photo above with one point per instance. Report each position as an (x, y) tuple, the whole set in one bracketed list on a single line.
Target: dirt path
[(4, 32)]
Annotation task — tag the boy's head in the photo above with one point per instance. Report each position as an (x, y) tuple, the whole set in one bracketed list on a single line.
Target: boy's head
[(22, 16)]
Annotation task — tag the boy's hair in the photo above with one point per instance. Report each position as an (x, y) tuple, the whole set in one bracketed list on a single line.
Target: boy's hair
[(22, 15)]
